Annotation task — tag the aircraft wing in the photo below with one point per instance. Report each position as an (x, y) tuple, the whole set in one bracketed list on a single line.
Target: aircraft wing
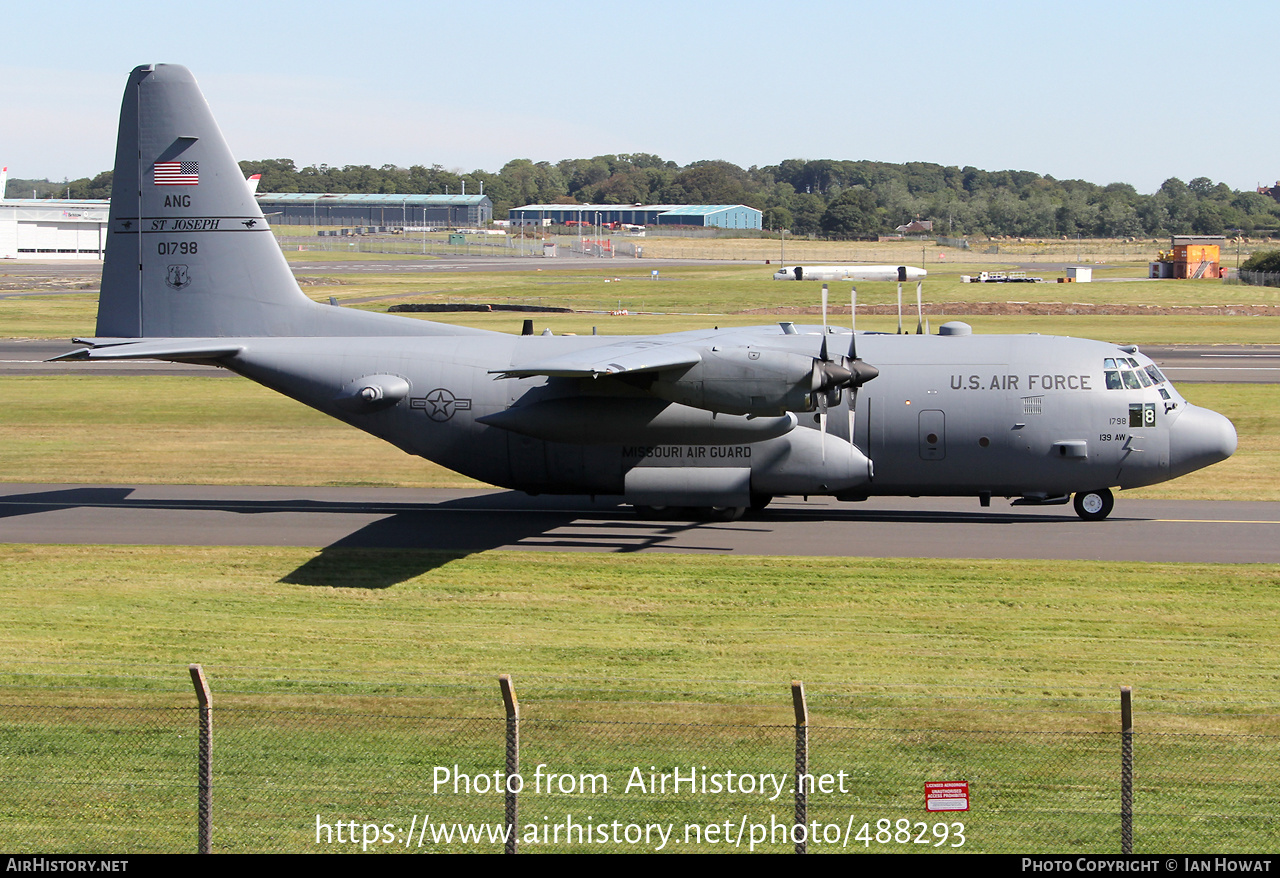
[(629, 356), (153, 349)]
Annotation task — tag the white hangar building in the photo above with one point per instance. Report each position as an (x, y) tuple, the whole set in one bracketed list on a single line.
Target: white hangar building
[(52, 228)]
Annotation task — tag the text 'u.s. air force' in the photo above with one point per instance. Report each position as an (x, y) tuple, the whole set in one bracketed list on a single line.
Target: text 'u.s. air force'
[(1021, 382)]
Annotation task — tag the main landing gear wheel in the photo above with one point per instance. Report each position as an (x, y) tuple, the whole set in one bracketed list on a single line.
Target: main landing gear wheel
[(1094, 505)]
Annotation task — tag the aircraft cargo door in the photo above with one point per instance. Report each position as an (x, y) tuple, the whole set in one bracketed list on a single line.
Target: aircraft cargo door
[(933, 435)]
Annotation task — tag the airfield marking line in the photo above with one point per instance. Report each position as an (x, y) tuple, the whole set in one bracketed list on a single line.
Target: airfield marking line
[(215, 506), (1214, 521)]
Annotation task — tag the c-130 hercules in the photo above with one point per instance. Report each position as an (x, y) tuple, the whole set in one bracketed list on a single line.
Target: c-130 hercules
[(717, 420)]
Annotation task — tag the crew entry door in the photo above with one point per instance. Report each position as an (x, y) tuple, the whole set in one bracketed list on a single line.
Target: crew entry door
[(933, 435)]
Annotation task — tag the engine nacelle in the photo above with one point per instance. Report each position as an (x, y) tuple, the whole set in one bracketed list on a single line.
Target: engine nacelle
[(744, 380)]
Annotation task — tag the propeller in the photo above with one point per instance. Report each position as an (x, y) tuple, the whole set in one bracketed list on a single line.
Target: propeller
[(853, 355), (861, 371), (831, 376)]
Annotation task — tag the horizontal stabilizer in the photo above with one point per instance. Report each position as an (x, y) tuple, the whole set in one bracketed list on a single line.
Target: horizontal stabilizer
[(155, 349), (631, 356)]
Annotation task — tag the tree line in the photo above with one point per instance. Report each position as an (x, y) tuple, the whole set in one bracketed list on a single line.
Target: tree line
[(830, 198)]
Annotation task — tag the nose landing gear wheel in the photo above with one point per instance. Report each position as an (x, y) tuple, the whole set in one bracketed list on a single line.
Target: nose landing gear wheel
[(1094, 505)]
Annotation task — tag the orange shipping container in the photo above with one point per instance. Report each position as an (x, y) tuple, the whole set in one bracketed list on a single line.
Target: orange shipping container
[(1196, 253)]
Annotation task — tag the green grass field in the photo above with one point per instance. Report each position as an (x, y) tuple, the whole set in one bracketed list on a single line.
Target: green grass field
[(994, 635), (343, 700), (686, 297)]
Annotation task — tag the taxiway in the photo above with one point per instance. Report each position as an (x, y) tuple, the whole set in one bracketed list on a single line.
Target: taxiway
[(481, 520)]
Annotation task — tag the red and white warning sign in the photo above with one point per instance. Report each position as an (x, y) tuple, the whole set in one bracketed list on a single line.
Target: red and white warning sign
[(951, 795)]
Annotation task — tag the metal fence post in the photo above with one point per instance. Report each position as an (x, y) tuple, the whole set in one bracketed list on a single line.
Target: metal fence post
[(205, 769), (1126, 770), (800, 836), (513, 759)]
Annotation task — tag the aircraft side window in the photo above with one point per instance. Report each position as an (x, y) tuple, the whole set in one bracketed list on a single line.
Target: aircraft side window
[(1130, 380), (1143, 377), (1164, 394), (1113, 379), (1155, 374), (1132, 362)]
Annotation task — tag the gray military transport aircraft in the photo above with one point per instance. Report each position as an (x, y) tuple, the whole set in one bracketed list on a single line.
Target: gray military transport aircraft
[(714, 420)]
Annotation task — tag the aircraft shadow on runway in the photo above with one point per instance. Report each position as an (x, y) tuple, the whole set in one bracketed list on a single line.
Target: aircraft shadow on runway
[(427, 536), (408, 539)]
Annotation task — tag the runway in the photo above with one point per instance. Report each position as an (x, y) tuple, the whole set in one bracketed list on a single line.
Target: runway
[(1223, 363), (475, 521)]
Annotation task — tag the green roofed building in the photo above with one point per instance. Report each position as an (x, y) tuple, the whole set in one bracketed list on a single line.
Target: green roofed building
[(723, 216), (323, 209)]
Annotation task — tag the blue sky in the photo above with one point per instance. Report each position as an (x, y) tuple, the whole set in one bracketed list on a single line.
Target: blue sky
[(1132, 92)]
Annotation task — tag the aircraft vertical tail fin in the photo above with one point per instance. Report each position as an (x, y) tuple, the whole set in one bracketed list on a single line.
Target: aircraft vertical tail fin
[(189, 253)]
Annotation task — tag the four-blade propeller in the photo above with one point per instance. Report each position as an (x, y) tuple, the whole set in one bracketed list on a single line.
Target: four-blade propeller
[(830, 376)]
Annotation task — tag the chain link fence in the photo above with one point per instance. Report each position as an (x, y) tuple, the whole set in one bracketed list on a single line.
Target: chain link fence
[(713, 244), (1259, 278), (385, 774), (604, 246)]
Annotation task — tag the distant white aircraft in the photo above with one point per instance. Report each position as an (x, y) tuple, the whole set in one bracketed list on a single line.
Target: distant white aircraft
[(4, 180), (850, 272), (253, 183)]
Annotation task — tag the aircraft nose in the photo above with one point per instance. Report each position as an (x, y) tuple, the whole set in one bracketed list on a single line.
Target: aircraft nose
[(1198, 438)]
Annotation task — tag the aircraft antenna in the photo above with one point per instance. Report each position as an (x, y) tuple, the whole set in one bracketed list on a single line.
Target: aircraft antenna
[(919, 307), (902, 276)]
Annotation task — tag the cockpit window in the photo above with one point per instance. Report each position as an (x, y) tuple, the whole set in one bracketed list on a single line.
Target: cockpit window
[(1126, 373)]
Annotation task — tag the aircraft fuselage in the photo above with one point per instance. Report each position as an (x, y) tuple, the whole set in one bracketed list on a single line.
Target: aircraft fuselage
[(1034, 416)]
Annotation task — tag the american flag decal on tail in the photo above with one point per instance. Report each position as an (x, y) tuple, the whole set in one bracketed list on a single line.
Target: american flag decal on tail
[(176, 174)]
